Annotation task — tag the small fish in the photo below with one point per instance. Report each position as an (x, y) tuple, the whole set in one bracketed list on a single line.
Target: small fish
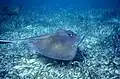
[(60, 45)]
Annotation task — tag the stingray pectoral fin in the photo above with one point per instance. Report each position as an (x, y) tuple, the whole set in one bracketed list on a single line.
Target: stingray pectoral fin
[(59, 53), (32, 47)]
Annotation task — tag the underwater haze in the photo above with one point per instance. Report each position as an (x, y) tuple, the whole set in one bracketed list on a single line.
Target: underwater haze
[(66, 39), (66, 3)]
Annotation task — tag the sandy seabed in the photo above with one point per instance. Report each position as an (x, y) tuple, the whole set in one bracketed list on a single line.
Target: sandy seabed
[(101, 46)]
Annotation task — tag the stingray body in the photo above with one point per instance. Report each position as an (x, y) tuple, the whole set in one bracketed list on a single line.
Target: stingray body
[(60, 45)]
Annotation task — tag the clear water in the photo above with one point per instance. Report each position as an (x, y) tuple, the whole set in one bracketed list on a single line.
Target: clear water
[(98, 56)]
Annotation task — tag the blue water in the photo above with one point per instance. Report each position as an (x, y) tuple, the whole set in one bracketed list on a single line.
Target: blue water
[(66, 3), (98, 55)]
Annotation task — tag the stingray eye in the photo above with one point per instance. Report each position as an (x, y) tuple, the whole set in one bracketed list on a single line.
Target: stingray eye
[(70, 34)]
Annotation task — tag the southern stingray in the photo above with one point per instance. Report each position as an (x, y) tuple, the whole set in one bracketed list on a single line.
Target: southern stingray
[(60, 45)]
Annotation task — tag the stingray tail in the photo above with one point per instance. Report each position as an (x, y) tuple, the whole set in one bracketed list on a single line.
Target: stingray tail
[(5, 41), (8, 41)]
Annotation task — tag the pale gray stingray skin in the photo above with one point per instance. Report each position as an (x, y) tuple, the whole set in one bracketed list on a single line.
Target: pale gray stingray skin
[(60, 45)]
